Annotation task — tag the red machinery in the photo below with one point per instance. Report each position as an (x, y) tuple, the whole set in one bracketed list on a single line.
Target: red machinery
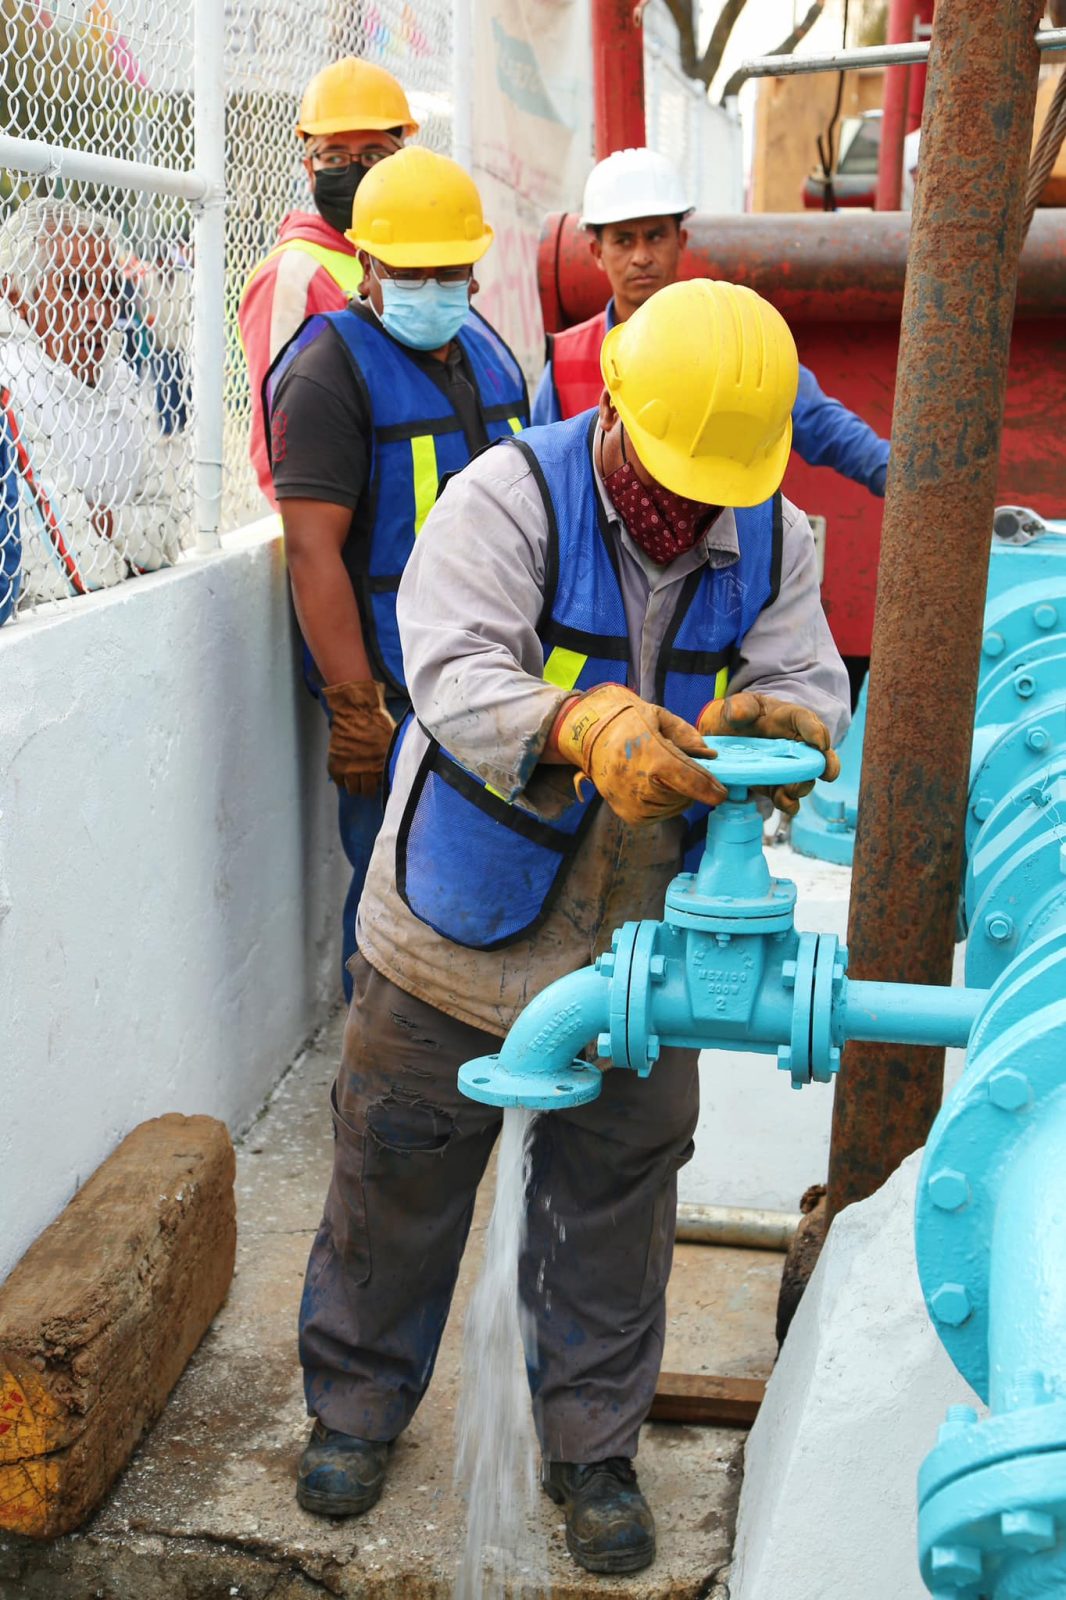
[(838, 279)]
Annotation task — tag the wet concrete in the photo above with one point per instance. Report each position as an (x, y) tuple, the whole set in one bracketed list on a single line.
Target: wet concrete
[(206, 1510)]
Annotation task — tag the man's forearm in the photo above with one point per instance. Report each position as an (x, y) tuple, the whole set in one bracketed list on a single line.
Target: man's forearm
[(329, 615)]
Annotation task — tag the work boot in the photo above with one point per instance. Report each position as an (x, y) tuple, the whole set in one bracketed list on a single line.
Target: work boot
[(340, 1475), (609, 1525)]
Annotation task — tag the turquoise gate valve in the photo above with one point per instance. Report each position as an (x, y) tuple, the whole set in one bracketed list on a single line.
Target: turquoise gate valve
[(725, 967)]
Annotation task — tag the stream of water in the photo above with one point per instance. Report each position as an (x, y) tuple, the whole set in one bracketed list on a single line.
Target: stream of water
[(496, 1458)]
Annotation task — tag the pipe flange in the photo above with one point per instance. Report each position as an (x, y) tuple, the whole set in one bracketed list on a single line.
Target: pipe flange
[(795, 1057), (971, 1528), (1014, 1071), (648, 969), (623, 941), (485, 1080), (829, 968)]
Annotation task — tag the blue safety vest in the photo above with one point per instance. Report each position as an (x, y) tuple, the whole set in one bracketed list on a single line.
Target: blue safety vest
[(483, 872), (417, 440)]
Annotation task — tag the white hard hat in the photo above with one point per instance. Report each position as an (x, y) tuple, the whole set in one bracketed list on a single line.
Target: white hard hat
[(633, 183)]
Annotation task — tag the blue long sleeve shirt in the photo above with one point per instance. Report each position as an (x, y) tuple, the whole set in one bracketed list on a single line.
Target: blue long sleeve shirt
[(824, 432)]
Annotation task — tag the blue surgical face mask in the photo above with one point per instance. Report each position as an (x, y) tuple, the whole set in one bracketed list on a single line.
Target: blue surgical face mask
[(428, 318)]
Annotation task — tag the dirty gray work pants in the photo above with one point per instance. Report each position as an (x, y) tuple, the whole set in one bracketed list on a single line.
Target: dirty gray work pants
[(409, 1152)]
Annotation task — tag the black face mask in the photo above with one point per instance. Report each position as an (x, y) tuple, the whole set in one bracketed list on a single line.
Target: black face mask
[(335, 193)]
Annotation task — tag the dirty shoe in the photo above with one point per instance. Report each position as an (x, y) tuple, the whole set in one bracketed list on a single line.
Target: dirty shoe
[(609, 1525), (340, 1475)]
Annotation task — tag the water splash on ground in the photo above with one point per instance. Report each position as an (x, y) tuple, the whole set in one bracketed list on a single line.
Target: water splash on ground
[(496, 1459)]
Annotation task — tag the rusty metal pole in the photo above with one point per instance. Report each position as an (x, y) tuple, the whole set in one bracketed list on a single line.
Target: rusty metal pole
[(617, 75), (894, 114), (957, 313)]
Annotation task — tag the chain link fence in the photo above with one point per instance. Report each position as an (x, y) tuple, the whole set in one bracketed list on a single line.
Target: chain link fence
[(98, 443)]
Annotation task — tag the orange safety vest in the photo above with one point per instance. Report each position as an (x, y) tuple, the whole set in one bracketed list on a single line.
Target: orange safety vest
[(575, 359)]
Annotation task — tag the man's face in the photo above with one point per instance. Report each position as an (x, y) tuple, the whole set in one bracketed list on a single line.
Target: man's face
[(639, 257), (334, 152), (77, 301)]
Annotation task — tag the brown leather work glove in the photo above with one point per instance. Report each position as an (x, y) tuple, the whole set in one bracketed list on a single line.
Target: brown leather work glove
[(360, 732), (635, 753), (761, 716)]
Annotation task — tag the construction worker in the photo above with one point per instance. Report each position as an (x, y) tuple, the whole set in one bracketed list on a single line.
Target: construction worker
[(583, 597), (352, 115), (634, 207), (370, 408)]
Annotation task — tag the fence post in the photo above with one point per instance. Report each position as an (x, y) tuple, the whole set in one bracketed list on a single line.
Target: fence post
[(209, 312)]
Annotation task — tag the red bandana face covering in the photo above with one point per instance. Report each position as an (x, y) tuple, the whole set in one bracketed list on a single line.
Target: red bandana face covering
[(662, 523)]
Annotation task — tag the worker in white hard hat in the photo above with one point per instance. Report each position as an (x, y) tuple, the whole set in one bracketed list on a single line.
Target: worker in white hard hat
[(353, 114), (634, 209)]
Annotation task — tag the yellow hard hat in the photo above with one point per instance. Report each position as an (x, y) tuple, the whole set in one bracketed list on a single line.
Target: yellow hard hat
[(704, 377), (419, 209), (352, 95)]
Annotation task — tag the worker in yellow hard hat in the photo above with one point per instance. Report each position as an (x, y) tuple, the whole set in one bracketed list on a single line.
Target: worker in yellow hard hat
[(353, 114), (583, 602), (370, 408)]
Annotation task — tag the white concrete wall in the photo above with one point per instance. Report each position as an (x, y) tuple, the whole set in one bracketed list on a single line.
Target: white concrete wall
[(170, 873)]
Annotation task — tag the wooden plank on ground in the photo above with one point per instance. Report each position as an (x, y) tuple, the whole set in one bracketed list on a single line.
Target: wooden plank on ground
[(703, 1400), (100, 1317)]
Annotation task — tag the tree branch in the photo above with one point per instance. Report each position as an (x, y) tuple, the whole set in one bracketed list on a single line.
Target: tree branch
[(786, 47), (682, 12)]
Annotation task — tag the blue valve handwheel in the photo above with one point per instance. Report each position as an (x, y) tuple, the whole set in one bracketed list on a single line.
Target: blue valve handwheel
[(758, 763)]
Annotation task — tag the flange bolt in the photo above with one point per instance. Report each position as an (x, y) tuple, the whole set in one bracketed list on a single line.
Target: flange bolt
[(1027, 1530), (950, 1304), (1037, 739), (957, 1420), (954, 1565), (1009, 1090), (949, 1190), (993, 644), (999, 927), (1025, 685), (1045, 615), (982, 806)]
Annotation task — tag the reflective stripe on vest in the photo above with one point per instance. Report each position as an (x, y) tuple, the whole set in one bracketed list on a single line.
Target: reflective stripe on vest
[(482, 871), (417, 441), (343, 268), (575, 359)]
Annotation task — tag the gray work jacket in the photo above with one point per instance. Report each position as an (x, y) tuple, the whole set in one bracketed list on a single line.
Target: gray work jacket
[(468, 606)]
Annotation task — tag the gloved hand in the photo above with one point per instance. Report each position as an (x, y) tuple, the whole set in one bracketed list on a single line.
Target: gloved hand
[(761, 716), (635, 753), (359, 734)]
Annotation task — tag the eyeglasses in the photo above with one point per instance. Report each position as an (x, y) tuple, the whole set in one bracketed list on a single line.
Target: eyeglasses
[(342, 160), (412, 278)]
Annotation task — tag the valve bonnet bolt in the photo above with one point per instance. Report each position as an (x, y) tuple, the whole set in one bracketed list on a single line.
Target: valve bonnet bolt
[(950, 1304), (999, 927), (1025, 685), (1027, 1530), (1045, 615), (993, 644), (1037, 739), (949, 1189), (983, 805), (1009, 1090), (955, 1564)]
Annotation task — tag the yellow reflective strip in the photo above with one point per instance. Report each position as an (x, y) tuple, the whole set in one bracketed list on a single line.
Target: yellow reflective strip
[(490, 790), (515, 424), (344, 269), (563, 667), (721, 683), (426, 478)]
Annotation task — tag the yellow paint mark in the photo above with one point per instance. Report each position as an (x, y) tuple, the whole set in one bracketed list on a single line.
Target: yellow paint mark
[(27, 1412)]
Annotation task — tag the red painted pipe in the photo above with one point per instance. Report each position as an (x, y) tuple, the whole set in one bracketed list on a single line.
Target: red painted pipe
[(894, 117), (842, 267), (617, 75)]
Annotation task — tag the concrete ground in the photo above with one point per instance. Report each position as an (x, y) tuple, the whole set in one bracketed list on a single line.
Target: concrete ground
[(206, 1511)]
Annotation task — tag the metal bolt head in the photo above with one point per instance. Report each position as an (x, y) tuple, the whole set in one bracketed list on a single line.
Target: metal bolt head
[(954, 1565), (654, 1045), (950, 1304), (982, 806), (1009, 1090), (1027, 1530), (1037, 740), (605, 966), (834, 1059), (784, 1058), (993, 643), (958, 1419), (603, 1044), (788, 976), (1025, 685), (999, 927), (949, 1189), (1045, 615), (657, 968)]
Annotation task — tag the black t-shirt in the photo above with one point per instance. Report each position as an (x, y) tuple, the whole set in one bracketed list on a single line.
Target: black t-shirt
[(320, 430)]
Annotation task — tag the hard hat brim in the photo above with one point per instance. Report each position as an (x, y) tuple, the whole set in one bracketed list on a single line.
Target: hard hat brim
[(613, 214), (321, 125), (713, 480), (451, 253)]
